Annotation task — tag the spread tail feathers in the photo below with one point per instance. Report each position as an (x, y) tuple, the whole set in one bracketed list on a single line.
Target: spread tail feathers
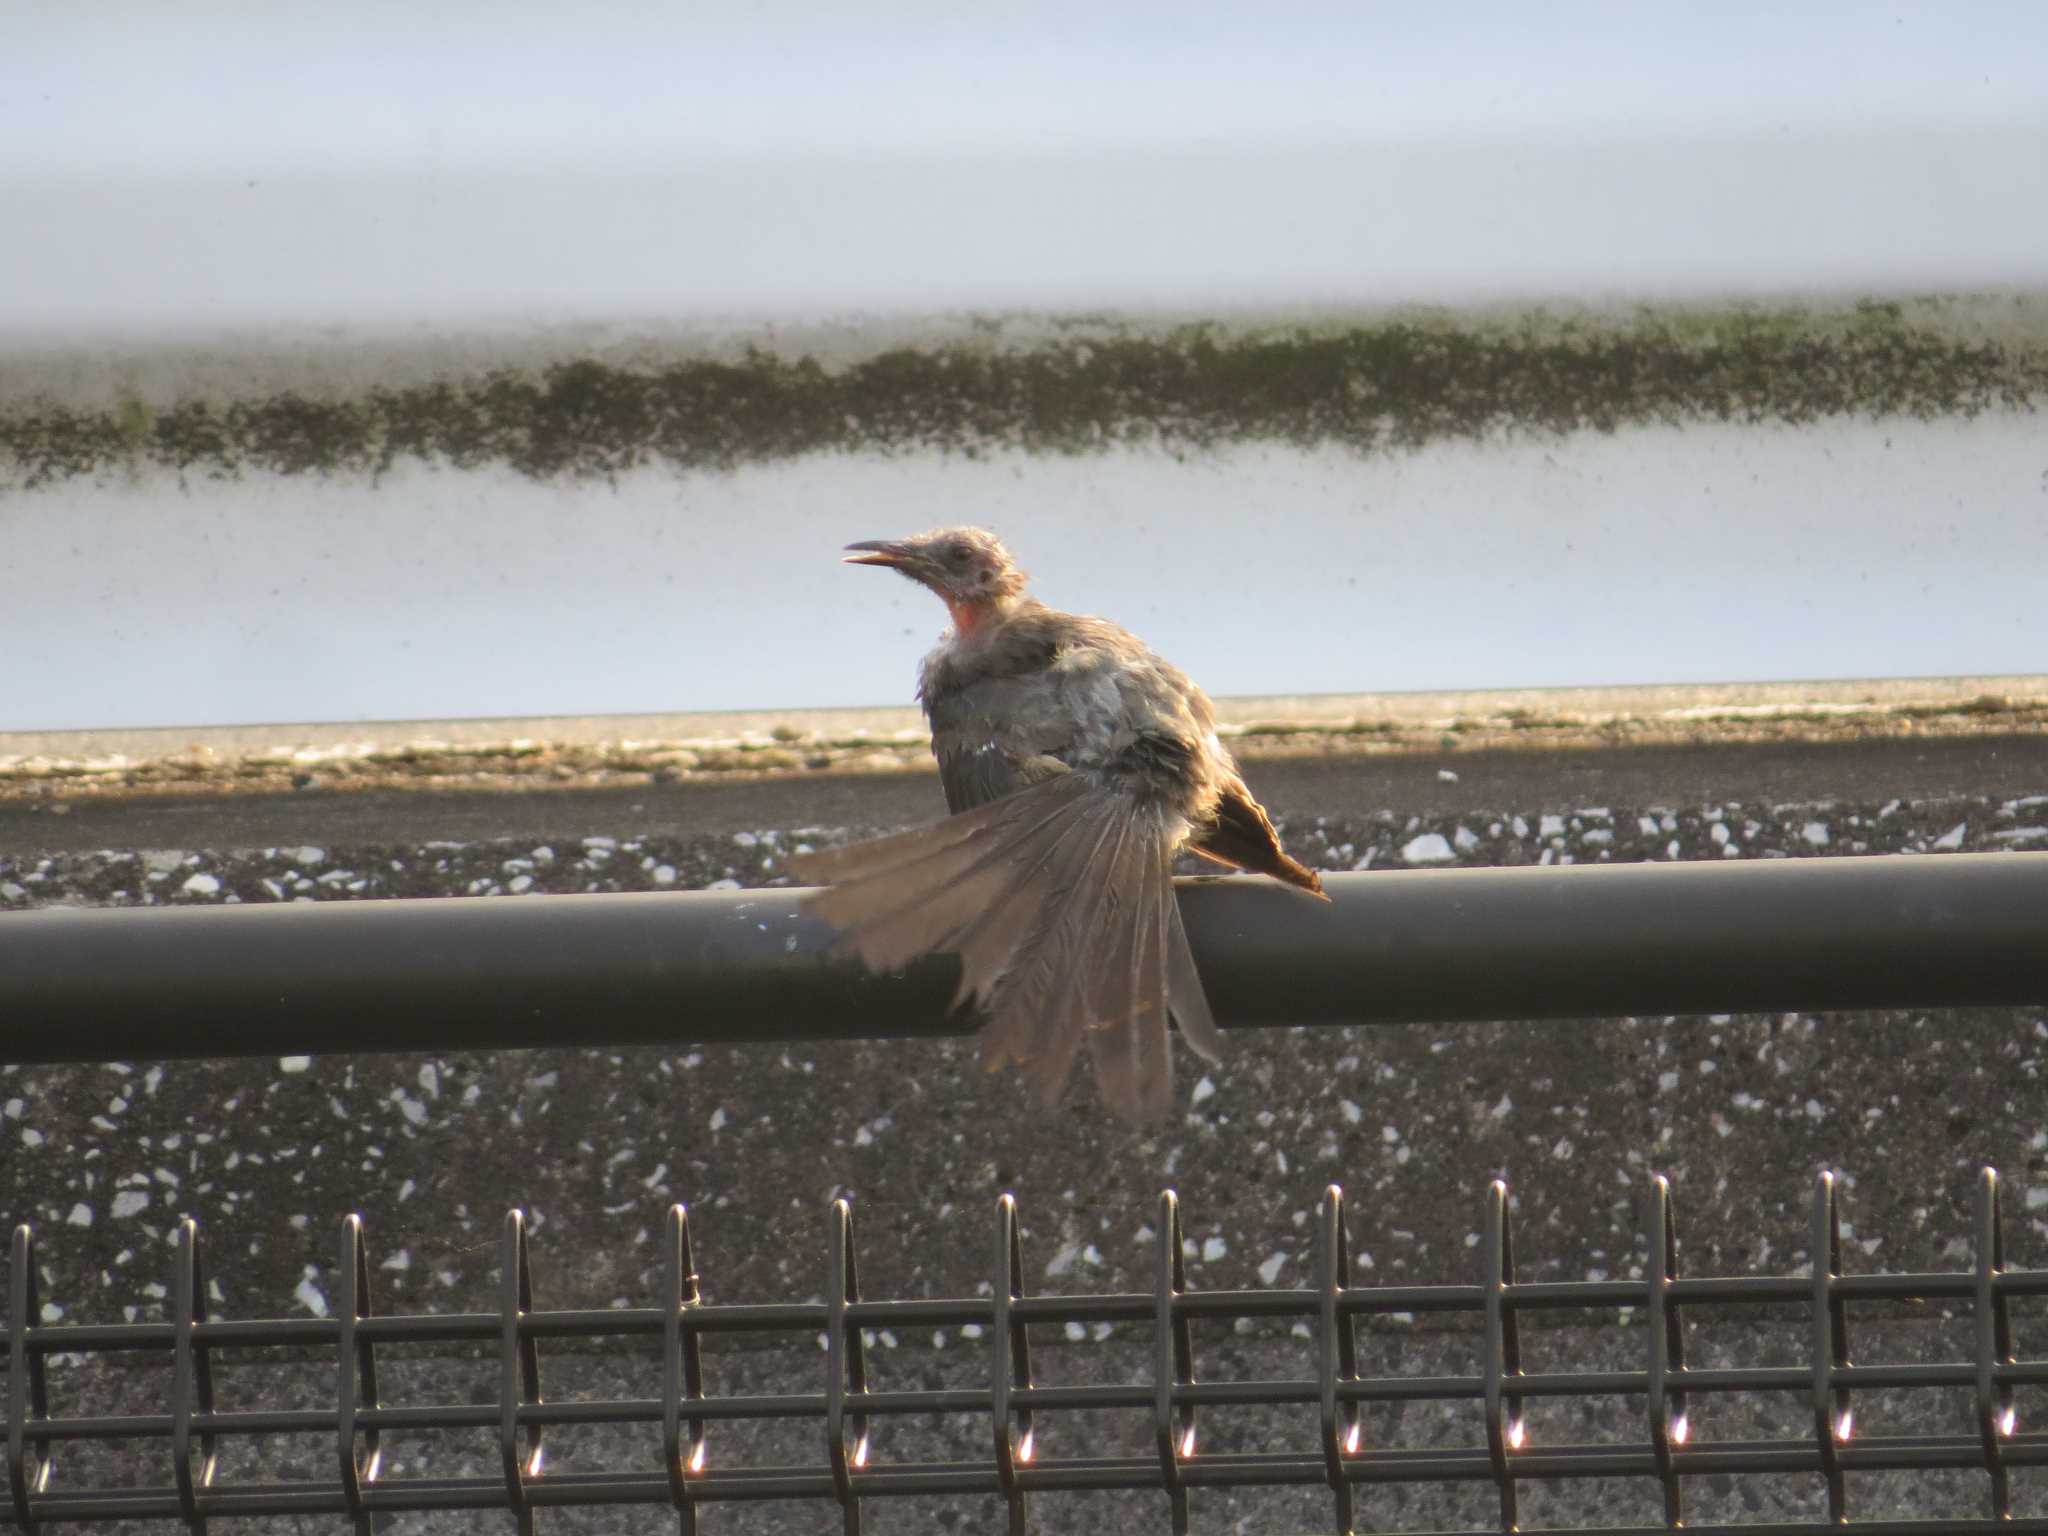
[(1059, 902)]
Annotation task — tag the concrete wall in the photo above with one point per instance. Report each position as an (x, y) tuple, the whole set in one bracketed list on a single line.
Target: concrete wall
[(1351, 503), (450, 369)]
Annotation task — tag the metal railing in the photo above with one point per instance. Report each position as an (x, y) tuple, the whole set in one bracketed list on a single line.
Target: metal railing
[(1027, 1453), (1441, 945), (1396, 947)]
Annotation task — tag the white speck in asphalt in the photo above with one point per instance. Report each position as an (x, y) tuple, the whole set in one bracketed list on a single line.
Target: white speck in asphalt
[(309, 1295), (294, 1063), (1429, 848), (81, 1215)]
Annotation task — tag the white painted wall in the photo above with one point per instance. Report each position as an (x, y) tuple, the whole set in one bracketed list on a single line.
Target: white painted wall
[(233, 163), (1653, 555), (236, 172)]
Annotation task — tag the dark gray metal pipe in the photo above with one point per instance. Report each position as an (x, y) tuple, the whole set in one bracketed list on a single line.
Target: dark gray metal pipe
[(1393, 947)]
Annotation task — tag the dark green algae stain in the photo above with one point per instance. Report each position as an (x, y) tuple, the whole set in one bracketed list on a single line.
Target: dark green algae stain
[(1385, 385)]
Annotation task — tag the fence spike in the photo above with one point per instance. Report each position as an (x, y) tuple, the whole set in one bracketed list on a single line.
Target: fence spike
[(1336, 1353), (28, 1390), (191, 1378), (682, 1372), (1505, 1431), (1009, 1365), (1173, 1362), (1833, 1414), (846, 1364), (518, 1372), (356, 1368), (1997, 1418), (1670, 1422)]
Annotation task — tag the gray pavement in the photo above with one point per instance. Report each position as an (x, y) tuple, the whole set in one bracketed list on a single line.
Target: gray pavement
[(1740, 1111)]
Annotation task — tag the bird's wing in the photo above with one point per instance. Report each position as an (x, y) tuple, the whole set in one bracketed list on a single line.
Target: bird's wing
[(974, 773), (1241, 835), (1058, 900), (996, 736)]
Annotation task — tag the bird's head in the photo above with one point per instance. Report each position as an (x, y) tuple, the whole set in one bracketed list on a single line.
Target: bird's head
[(967, 568)]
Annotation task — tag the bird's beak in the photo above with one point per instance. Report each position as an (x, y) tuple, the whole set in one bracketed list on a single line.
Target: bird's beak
[(879, 552)]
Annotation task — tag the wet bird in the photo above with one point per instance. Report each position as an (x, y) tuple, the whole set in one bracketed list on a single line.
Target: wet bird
[(1076, 765)]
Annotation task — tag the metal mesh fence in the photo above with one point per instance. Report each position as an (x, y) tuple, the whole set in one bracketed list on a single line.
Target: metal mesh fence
[(1033, 1448)]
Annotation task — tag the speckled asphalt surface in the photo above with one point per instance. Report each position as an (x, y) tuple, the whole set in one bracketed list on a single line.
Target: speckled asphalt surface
[(1740, 1111)]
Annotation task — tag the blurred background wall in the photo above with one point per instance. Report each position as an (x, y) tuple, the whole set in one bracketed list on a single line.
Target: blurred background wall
[(379, 366)]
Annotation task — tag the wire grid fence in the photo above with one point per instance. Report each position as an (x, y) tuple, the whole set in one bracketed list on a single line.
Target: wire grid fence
[(1025, 1454)]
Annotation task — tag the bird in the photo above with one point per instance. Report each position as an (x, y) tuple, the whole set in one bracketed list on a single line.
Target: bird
[(1077, 764)]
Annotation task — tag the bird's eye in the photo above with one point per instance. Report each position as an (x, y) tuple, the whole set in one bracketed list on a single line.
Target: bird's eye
[(957, 553)]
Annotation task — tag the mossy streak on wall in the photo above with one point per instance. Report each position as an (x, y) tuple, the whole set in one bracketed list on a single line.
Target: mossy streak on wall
[(1386, 383)]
